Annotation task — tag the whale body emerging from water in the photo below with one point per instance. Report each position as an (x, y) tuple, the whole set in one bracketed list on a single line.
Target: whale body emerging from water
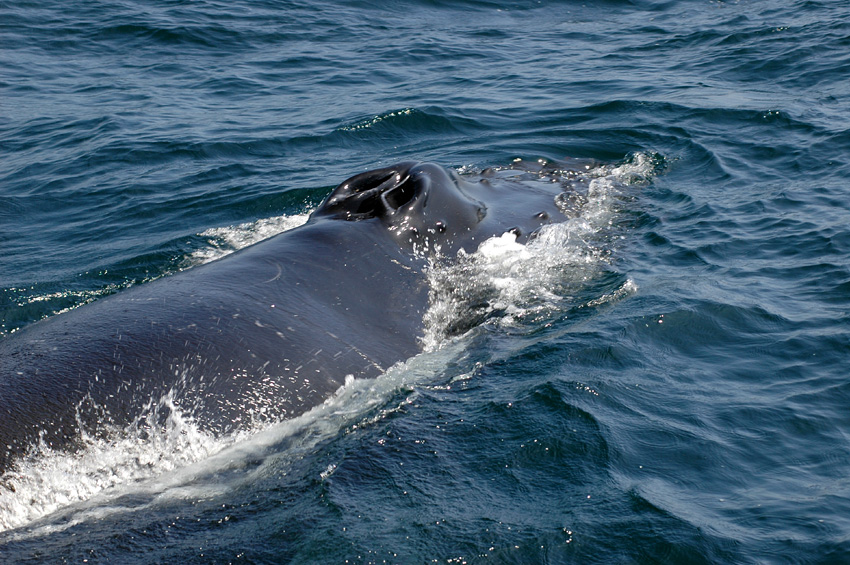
[(271, 330)]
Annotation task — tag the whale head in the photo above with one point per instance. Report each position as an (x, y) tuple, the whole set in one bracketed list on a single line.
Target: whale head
[(424, 206)]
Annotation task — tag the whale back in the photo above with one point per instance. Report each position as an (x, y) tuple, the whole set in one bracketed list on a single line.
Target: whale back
[(265, 333)]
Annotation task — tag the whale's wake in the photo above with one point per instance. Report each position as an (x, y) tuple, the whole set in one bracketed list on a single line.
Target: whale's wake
[(164, 454)]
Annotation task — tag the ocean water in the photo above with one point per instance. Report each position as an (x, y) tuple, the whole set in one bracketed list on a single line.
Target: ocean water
[(663, 378)]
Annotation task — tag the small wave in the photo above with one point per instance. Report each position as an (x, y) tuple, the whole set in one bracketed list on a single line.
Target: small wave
[(407, 122), (197, 35), (370, 122)]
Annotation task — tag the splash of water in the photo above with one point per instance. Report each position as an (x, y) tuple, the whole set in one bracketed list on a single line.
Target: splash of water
[(48, 479), (164, 455), (505, 281)]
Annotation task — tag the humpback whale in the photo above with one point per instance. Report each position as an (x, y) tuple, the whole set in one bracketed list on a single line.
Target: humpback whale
[(271, 330)]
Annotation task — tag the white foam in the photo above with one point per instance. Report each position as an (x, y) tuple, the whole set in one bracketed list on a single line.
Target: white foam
[(47, 480), (226, 240), (505, 281)]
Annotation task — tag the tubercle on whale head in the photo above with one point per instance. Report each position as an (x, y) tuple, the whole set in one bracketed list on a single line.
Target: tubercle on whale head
[(420, 204)]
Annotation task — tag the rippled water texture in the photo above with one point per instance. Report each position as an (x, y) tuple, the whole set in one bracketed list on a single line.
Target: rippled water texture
[(662, 380)]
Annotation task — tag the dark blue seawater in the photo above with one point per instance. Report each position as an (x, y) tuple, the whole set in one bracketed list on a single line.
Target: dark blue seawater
[(680, 394)]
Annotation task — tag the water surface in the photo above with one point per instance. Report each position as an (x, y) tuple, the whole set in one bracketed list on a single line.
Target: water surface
[(662, 380)]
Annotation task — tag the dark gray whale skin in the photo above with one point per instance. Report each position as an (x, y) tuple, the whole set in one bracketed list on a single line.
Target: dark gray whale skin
[(269, 331)]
